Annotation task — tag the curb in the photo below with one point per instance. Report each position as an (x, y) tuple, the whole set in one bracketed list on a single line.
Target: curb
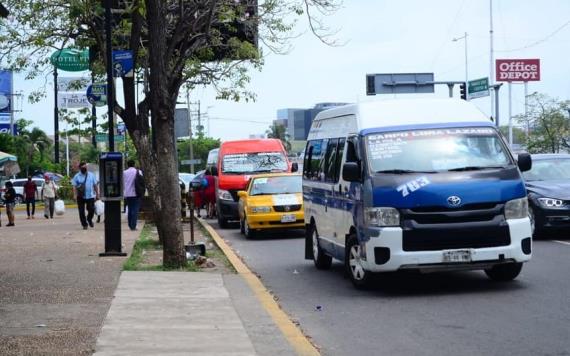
[(291, 332)]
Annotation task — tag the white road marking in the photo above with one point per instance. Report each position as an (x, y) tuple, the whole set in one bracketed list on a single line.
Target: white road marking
[(562, 242)]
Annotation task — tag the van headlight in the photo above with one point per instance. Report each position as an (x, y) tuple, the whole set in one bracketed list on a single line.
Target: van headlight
[(516, 209), (381, 217), (224, 195)]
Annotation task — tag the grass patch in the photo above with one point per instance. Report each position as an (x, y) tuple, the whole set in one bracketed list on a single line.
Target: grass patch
[(147, 242)]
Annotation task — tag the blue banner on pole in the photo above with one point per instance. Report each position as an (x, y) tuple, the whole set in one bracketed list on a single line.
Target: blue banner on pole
[(123, 63), (6, 97), (5, 129)]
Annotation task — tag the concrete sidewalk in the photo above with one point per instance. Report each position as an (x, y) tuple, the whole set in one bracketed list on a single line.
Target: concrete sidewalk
[(173, 313)]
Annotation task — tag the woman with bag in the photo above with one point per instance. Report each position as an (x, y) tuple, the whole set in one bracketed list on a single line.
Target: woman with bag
[(49, 191), (209, 194)]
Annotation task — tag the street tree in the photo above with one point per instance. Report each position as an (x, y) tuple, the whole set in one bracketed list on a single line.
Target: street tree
[(548, 124), (280, 132), (175, 43)]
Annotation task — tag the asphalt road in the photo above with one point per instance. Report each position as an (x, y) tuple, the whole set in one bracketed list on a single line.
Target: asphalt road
[(461, 313)]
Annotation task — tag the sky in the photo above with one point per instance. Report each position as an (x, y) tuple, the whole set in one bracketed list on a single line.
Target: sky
[(384, 36)]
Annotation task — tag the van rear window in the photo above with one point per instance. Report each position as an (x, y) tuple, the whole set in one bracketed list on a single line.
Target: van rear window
[(244, 163)]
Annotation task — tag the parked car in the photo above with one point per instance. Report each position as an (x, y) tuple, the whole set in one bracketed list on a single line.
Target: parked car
[(271, 201), (548, 188), (19, 188), (185, 178)]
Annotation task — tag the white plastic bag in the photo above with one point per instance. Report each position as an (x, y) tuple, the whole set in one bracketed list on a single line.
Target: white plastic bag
[(99, 207), (59, 207)]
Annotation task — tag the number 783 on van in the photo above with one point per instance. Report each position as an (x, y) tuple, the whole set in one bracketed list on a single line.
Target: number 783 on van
[(440, 191)]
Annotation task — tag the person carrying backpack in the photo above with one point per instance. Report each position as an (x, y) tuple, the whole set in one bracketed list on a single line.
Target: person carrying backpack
[(133, 183)]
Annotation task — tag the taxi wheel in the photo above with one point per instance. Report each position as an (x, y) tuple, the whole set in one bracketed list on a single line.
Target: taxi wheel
[(505, 272), (242, 225), (359, 277), (249, 234), (321, 260)]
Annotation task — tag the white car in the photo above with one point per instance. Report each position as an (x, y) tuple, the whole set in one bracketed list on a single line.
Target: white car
[(19, 188)]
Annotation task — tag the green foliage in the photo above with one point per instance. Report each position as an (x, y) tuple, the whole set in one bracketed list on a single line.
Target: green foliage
[(201, 146), (65, 190), (549, 124), (280, 132)]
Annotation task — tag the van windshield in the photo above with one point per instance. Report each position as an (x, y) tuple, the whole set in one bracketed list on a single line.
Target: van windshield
[(254, 163), (434, 150)]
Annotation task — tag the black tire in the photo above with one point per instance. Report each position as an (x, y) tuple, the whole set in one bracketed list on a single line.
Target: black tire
[(242, 225), (504, 272), (249, 233), (359, 277), (320, 258)]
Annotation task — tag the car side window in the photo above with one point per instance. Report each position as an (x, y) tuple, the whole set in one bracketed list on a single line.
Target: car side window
[(314, 160), (330, 161), (338, 162)]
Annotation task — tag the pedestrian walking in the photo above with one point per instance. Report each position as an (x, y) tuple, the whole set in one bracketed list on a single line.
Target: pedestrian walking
[(210, 194), (10, 202), (131, 195), (85, 191), (30, 191), (49, 193)]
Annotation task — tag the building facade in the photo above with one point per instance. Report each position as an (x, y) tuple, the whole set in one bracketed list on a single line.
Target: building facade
[(298, 121)]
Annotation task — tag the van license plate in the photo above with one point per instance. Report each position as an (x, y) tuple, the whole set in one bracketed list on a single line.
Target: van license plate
[(288, 218), (457, 256)]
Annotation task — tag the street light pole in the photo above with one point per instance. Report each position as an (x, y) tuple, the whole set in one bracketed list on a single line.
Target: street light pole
[(190, 129), (464, 37)]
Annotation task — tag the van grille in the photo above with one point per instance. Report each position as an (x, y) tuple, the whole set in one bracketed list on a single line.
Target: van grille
[(438, 228)]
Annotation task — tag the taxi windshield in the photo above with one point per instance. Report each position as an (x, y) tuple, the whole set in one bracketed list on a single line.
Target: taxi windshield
[(276, 185)]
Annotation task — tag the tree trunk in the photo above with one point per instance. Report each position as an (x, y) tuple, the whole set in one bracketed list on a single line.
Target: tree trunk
[(162, 110)]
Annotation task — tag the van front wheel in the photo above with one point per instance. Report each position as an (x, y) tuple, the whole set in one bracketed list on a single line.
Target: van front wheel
[(359, 277), (321, 260), (505, 272)]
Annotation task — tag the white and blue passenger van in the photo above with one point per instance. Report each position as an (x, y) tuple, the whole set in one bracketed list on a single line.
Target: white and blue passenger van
[(424, 184)]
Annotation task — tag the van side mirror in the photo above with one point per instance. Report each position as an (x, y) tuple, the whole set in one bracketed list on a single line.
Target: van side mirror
[(351, 172), (215, 171), (524, 162), (294, 167)]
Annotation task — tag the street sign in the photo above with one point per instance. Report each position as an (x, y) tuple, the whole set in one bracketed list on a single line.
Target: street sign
[(71, 59), (123, 63), (121, 128), (104, 138), (97, 94), (71, 100), (518, 70), (399, 83), (72, 83), (5, 129), (478, 88), (191, 161)]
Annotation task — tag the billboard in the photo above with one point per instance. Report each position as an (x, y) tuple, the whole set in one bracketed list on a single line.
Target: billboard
[(6, 91), (72, 83), (517, 70), (72, 100)]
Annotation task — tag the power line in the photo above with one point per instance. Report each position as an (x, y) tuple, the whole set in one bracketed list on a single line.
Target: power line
[(536, 43)]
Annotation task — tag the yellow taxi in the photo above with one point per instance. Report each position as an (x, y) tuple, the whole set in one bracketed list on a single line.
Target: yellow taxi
[(271, 201)]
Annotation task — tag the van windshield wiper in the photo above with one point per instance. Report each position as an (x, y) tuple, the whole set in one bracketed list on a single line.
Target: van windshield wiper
[(402, 171), (473, 168)]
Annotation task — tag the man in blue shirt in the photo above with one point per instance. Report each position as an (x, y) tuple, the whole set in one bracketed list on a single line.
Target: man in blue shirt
[(85, 191)]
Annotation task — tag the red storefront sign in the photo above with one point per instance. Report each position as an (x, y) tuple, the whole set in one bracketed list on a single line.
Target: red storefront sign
[(517, 70)]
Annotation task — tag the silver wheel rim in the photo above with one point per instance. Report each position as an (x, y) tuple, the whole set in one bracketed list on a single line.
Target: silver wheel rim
[(355, 263), (532, 222), (315, 245)]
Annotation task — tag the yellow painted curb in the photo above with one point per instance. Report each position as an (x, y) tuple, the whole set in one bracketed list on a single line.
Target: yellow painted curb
[(292, 333)]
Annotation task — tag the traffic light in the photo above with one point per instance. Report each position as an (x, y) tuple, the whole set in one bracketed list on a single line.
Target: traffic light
[(463, 90)]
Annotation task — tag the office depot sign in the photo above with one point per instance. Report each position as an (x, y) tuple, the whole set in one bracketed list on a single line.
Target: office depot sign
[(517, 70)]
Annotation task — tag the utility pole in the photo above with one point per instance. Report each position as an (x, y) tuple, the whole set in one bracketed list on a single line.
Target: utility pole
[(190, 129), (491, 55), (55, 118), (464, 37)]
